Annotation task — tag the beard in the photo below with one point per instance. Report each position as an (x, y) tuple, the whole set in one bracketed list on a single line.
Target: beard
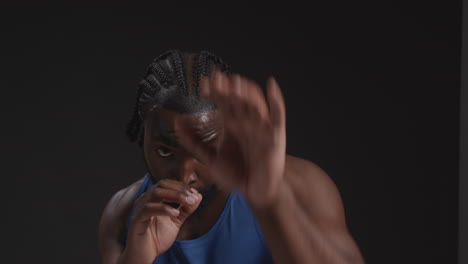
[(209, 194)]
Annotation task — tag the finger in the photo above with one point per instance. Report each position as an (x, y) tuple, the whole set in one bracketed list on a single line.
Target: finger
[(240, 98), (236, 106), (173, 185), (257, 106), (276, 104), (167, 195), (218, 87), (190, 207), (187, 209), (221, 84), (154, 209), (154, 205), (246, 109), (206, 82), (205, 86)]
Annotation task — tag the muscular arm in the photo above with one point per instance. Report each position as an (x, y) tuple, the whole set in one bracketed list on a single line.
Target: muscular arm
[(112, 226), (307, 224)]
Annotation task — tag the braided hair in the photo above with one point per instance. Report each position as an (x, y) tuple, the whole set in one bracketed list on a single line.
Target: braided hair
[(172, 82)]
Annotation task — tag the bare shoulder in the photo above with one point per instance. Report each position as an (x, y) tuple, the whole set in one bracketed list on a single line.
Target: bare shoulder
[(320, 200), (315, 188), (122, 200), (113, 218), (301, 169)]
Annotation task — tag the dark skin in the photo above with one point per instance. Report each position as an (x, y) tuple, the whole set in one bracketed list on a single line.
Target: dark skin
[(167, 160), (241, 145)]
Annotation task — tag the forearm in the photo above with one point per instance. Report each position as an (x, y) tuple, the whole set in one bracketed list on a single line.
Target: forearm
[(126, 258), (130, 256), (293, 236)]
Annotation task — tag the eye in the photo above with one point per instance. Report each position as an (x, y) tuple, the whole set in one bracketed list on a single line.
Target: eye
[(164, 152)]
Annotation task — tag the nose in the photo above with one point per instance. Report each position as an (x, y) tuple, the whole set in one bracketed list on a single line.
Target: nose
[(187, 172)]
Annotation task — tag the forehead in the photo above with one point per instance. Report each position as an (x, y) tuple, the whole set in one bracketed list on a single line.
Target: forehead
[(166, 121)]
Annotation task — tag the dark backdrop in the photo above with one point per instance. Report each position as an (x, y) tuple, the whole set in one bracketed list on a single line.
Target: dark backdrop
[(371, 89)]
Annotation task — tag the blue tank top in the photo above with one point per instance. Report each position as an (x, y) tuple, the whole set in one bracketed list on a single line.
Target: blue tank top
[(236, 236)]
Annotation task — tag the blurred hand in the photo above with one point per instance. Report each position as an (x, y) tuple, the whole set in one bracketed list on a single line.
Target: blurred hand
[(250, 155)]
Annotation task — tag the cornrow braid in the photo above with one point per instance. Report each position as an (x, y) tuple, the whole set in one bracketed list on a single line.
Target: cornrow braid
[(134, 128), (201, 70), (204, 67), (202, 63), (220, 63), (161, 74), (195, 75), (180, 72), (165, 85)]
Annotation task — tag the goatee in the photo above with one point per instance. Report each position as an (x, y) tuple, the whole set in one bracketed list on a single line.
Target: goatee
[(208, 194)]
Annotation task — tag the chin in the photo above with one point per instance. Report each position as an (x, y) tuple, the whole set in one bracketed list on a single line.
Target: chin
[(209, 194)]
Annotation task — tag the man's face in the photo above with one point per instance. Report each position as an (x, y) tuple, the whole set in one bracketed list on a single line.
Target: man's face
[(166, 157)]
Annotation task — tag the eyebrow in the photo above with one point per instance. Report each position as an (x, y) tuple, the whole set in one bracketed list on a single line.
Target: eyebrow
[(167, 139), (171, 140)]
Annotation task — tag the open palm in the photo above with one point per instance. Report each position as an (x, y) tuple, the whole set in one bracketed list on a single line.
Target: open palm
[(250, 154)]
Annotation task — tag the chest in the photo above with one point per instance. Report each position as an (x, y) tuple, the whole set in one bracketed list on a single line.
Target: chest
[(235, 238)]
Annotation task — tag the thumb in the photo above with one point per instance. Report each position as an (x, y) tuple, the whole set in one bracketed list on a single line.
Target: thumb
[(187, 209)]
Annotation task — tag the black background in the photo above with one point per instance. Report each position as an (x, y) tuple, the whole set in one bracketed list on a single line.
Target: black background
[(372, 96)]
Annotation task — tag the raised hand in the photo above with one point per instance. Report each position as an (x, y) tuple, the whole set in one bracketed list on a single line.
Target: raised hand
[(250, 155), (155, 225)]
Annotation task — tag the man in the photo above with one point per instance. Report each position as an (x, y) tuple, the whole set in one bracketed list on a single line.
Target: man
[(220, 187)]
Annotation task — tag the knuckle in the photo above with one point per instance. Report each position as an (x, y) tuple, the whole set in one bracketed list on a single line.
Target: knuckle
[(162, 182), (156, 192), (146, 207), (181, 197)]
